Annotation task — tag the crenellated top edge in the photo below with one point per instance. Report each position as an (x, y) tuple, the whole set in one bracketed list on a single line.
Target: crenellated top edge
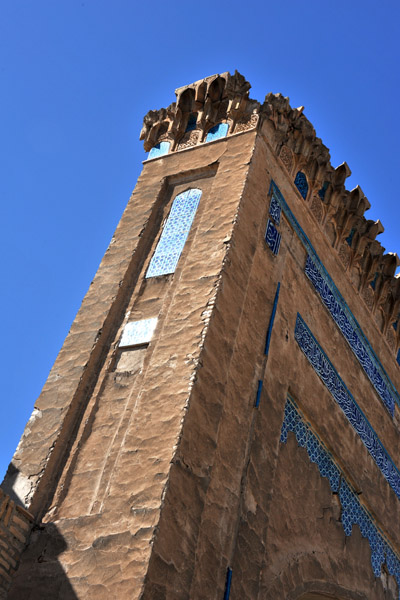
[(220, 105)]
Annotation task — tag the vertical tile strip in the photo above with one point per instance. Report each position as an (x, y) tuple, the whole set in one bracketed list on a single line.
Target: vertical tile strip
[(259, 390), (228, 584), (271, 321)]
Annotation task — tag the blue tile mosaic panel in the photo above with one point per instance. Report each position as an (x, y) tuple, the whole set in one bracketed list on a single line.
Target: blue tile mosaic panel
[(342, 320), (352, 511), (217, 132), (138, 332), (307, 439), (340, 302), (159, 150), (301, 183), (174, 234), (272, 237), (275, 210), (330, 377)]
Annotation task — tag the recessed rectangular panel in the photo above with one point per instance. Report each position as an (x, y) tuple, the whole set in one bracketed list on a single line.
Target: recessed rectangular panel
[(138, 332)]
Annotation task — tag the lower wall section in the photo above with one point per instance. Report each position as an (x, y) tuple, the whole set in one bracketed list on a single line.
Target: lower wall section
[(304, 530), (15, 527), (352, 511)]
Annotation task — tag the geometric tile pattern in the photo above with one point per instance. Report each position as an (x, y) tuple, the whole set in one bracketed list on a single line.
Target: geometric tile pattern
[(359, 348), (330, 377), (272, 237), (138, 332), (174, 234), (352, 511), (301, 183), (159, 150), (275, 210), (307, 439), (218, 131), (378, 368)]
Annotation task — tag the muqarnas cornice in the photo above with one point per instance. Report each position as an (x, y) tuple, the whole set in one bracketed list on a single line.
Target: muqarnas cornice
[(217, 99), (339, 212)]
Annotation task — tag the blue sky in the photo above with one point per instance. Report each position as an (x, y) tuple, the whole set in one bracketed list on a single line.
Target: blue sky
[(77, 78)]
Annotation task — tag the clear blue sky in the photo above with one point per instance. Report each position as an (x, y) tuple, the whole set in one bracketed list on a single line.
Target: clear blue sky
[(77, 78)]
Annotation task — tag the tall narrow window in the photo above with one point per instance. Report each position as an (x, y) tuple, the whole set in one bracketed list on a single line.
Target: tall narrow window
[(301, 183), (192, 122), (159, 150), (174, 234), (218, 131)]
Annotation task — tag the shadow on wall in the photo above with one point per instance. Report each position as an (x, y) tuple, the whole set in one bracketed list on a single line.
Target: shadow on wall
[(40, 575), (12, 485)]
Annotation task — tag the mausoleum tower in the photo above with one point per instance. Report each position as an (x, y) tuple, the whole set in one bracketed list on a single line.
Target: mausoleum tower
[(222, 421)]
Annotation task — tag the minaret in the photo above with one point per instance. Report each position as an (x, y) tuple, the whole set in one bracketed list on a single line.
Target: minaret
[(222, 420)]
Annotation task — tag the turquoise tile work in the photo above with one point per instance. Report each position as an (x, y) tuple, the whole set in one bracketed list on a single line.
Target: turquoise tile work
[(218, 131), (138, 332), (159, 150), (174, 234)]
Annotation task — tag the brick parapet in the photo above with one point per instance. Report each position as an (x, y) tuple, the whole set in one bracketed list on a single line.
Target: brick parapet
[(15, 528)]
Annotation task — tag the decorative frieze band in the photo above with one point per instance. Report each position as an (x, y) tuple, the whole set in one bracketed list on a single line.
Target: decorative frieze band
[(330, 377), (351, 331), (340, 312), (352, 511)]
